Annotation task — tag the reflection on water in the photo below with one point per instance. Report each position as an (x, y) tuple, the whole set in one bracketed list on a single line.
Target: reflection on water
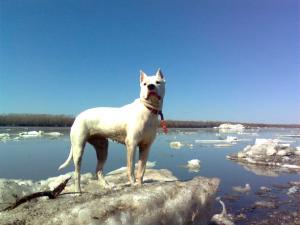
[(271, 171)]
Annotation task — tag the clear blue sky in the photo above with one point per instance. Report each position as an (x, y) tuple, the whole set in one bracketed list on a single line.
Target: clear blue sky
[(235, 60)]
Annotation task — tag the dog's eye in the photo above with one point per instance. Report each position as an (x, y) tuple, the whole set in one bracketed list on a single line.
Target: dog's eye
[(145, 84), (157, 82)]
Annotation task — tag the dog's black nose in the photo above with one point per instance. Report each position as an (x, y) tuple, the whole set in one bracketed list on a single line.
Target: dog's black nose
[(151, 87)]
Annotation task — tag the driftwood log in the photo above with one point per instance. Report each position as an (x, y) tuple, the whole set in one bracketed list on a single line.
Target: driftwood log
[(50, 194)]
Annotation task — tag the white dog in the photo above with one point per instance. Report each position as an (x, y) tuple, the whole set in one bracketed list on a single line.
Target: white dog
[(134, 125)]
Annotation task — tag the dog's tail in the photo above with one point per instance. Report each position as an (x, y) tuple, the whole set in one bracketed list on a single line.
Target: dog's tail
[(67, 161)]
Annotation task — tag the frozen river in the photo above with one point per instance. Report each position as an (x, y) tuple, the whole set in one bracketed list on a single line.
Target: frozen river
[(38, 157)]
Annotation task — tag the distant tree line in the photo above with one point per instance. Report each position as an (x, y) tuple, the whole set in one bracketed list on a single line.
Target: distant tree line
[(46, 120), (36, 120), (192, 124)]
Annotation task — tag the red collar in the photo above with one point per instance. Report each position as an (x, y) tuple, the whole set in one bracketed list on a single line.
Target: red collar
[(154, 111), (163, 123)]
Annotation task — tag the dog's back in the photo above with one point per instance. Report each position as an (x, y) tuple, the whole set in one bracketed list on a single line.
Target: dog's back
[(104, 122)]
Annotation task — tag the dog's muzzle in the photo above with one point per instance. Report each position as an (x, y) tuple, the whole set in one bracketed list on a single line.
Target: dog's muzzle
[(151, 87)]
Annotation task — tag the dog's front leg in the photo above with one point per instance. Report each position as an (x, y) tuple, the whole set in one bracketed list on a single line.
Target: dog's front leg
[(143, 156), (131, 147)]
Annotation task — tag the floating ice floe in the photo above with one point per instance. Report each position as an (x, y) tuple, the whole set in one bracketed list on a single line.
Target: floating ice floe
[(241, 189), (176, 144), (265, 204), (231, 128), (161, 198), (282, 142), (4, 136), (31, 134), (53, 134), (16, 138), (248, 133), (222, 145), (292, 190), (264, 189), (269, 152), (193, 165), (229, 139), (290, 135)]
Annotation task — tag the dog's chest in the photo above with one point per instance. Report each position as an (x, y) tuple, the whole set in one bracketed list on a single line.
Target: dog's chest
[(147, 130)]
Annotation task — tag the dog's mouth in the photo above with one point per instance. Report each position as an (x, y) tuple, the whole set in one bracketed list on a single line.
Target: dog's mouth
[(152, 94)]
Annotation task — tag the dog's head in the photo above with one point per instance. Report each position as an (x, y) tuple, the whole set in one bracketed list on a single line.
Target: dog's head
[(153, 88)]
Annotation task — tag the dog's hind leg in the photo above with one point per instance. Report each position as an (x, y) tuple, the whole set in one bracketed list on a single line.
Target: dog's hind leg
[(77, 156), (101, 146)]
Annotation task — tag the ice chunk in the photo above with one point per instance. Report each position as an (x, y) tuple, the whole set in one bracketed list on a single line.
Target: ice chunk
[(292, 190), (231, 128), (283, 152), (53, 134), (291, 166), (173, 202), (4, 135), (260, 141), (269, 152), (264, 141), (193, 165), (209, 141), (231, 139), (241, 189), (290, 135), (222, 145), (31, 134), (176, 145), (264, 189), (265, 204)]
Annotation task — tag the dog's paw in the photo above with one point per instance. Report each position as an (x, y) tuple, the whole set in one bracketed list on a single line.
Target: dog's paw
[(76, 194), (138, 184), (104, 184), (132, 181)]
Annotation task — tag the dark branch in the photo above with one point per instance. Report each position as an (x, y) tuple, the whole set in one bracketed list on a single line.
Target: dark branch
[(50, 194)]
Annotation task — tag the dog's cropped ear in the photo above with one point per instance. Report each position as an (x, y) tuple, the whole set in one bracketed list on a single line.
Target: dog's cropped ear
[(159, 74), (142, 76)]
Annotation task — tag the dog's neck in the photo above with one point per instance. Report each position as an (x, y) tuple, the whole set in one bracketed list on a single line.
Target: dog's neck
[(153, 102)]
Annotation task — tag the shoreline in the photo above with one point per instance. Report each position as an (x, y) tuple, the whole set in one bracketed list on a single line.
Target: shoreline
[(47, 120)]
